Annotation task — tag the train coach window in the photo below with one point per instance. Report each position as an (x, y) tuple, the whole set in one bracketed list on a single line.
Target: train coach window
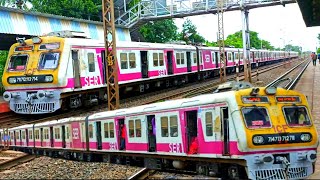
[(194, 56), (132, 60), (138, 127), (106, 130), (124, 60), (256, 117), (155, 59), (111, 129), (67, 132), (90, 131), (164, 127), (57, 133), (30, 134), (49, 60), (180, 58), (46, 134), (91, 62), (18, 62), (209, 127), (36, 134), (23, 135), (131, 128), (297, 116), (173, 126), (17, 135)]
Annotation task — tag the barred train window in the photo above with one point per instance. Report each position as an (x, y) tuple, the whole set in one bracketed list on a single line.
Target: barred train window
[(209, 124), (138, 127), (173, 126), (91, 62), (128, 60), (57, 133), (23, 134), (106, 130), (17, 135), (134, 128), (111, 129), (37, 134), (90, 131), (30, 134), (194, 58), (67, 132), (180, 58), (164, 126), (131, 128)]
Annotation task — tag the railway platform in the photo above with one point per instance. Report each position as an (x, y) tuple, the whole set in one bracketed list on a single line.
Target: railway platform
[(4, 107), (309, 84)]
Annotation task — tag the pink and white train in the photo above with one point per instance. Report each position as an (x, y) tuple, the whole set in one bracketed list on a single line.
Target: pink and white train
[(58, 71)]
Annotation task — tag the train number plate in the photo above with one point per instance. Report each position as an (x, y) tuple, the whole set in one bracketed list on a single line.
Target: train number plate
[(284, 139)]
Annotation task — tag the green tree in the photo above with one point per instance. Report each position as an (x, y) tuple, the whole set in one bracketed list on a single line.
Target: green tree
[(3, 59), (211, 44), (21, 4), (159, 31), (255, 42), (85, 9), (189, 33)]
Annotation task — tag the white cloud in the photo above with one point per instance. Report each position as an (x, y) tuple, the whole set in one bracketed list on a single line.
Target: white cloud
[(272, 24)]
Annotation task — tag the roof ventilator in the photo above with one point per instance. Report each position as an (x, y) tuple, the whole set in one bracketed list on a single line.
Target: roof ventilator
[(68, 34), (233, 85)]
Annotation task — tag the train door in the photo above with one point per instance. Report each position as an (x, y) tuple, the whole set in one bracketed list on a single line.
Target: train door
[(191, 129), (27, 136), (98, 134), (51, 137), (122, 135), (144, 64), (151, 133), (188, 62), (216, 54), (225, 130), (41, 137), (169, 64), (76, 68), (104, 66), (63, 136)]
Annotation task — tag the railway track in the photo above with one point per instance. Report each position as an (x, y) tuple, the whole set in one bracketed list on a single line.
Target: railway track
[(12, 120), (144, 173), (9, 160)]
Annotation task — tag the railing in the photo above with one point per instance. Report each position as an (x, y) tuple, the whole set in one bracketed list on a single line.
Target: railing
[(154, 9)]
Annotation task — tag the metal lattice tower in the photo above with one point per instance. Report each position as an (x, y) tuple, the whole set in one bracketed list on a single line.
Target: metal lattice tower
[(111, 54), (246, 43), (220, 41)]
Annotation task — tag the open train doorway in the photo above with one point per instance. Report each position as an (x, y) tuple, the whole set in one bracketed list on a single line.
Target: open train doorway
[(99, 137), (169, 63), (189, 62), (192, 132), (63, 128), (76, 70), (144, 64), (151, 120), (225, 130), (122, 134), (51, 136)]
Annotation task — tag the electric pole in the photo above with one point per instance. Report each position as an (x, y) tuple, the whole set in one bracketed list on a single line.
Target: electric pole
[(110, 54), (246, 43), (220, 41)]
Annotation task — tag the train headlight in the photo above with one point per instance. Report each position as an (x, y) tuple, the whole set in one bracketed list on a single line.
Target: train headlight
[(305, 137), (12, 80), (48, 79), (7, 96), (258, 140), (36, 40), (312, 156)]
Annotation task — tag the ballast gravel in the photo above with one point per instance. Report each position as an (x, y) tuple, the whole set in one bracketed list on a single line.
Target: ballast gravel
[(53, 168)]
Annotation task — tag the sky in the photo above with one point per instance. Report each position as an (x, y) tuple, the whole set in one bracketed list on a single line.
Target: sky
[(277, 24)]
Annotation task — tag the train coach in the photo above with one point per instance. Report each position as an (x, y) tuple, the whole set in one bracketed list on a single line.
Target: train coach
[(65, 70), (255, 133)]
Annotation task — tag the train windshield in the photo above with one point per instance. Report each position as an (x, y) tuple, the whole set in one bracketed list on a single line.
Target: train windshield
[(297, 116), (49, 60), (18, 62), (256, 117)]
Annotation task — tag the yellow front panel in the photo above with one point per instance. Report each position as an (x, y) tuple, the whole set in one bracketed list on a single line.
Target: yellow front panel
[(276, 115), (32, 65)]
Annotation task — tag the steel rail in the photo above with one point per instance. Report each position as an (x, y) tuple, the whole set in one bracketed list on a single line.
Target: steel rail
[(142, 174), (292, 85), (283, 75), (16, 161)]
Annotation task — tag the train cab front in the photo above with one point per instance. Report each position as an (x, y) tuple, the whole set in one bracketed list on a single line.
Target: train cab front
[(281, 139), (30, 75)]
